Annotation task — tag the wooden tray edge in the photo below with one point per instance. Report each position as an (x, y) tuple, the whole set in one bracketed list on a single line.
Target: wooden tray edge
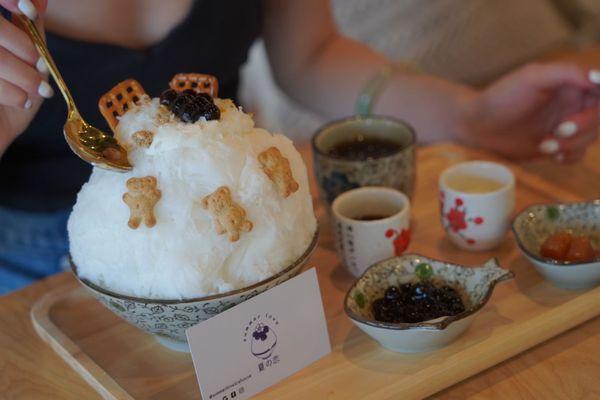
[(493, 350), (500, 347), (72, 354)]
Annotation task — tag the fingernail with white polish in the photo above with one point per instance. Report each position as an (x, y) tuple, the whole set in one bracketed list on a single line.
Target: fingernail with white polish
[(594, 76), (27, 104), (549, 146), (566, 129), (45, 90), (40, 65), (27, 8)]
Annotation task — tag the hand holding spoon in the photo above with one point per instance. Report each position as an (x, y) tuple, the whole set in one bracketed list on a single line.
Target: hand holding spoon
[(89, 143)]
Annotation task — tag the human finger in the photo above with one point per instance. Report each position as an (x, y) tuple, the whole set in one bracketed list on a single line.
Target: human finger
[(29, 8), (23, 75), (579, 141), (594, 76), (34, 10), (10, 5), (556, 87), (13, 96), (579, 122), (551, 145), (555, 75), (13, 34), (571, 157), (17, 42), (591, 99)]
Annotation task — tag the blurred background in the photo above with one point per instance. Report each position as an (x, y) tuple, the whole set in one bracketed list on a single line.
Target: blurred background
[(468, 41)]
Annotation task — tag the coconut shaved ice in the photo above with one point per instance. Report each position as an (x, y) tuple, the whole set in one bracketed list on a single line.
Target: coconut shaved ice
[(182, 256)]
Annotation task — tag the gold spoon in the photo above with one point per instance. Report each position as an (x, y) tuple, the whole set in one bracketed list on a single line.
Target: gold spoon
[(89, 143)]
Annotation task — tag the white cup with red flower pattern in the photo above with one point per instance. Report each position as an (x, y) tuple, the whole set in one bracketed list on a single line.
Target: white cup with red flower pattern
[(371, 223), (477, 199)]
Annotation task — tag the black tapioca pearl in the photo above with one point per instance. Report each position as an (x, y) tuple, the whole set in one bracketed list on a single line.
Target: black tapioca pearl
[(392, 293), (115, 114), (181, 100), (181, 84), (202, 102), (207, 84), (167, 97), (109, 104), (129, 89), (119, 97), (136, 99), (205, 96), (190, 113), (125, 107), (212, 112), (194, 84)]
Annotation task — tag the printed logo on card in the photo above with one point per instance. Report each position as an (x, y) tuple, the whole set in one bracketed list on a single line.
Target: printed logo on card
[(261, 335), (261, 341)]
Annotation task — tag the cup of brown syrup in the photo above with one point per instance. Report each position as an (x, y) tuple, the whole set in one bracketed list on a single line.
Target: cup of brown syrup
[(364, 151), (371, 224)]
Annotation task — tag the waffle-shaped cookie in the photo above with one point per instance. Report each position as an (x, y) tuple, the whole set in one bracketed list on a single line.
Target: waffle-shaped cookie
[(116, 102), (199, 83)]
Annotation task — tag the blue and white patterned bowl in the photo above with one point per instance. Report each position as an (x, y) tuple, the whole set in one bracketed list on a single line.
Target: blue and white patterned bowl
[(474, 284), (536, 223), (168, 319), (337, 175)]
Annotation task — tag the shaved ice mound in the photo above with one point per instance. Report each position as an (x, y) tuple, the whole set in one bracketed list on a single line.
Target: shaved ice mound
[(182, 256)]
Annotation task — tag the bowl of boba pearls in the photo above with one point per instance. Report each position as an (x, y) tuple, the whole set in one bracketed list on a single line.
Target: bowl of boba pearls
[(413, 303)]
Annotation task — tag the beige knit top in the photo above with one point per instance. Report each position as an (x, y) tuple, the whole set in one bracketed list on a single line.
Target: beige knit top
[(472, 41)]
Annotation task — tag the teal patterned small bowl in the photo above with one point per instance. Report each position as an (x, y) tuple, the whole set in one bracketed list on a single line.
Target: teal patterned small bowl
[(536, 223), (169, 319), (474, 284)]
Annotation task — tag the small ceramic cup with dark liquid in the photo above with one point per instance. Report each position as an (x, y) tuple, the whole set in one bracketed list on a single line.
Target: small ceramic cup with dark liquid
[(364, 151), (371, 224)]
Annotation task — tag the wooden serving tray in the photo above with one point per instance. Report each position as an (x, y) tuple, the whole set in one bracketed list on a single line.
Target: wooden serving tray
[(122, 362)]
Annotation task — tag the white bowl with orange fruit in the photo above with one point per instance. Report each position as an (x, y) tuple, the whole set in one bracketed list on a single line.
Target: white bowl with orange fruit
[(562, 241)]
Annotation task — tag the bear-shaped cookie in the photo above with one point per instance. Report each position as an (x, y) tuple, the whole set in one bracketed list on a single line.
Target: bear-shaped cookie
[(277, 168), (141, 199), (228, 216)]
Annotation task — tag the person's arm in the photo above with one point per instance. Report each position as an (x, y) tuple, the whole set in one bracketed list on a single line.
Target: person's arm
[(326, 72)]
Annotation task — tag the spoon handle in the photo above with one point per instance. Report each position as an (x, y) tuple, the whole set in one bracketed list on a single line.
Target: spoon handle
[(40, 45)]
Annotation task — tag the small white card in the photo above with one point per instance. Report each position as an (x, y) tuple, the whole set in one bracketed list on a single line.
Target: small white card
[(261, 341)]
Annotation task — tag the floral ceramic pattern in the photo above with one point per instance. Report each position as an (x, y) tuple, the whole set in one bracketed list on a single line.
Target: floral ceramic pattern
[(400, 240), (170, 318), (457, 219), (336, 184), (475, 285), (532, 226)]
